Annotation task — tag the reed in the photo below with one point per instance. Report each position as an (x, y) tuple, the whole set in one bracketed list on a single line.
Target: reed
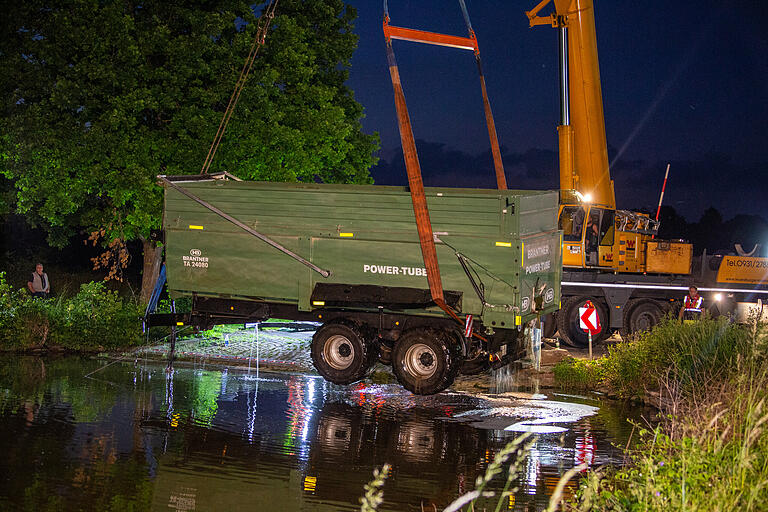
[(709, 452)]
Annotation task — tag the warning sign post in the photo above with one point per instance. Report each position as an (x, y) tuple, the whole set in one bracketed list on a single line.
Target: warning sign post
[(589, 321)]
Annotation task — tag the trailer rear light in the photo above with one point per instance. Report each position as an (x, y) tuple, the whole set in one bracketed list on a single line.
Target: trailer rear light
[(193, 226)]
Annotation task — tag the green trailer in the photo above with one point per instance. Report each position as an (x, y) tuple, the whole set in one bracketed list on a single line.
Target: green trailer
[(348, 256)]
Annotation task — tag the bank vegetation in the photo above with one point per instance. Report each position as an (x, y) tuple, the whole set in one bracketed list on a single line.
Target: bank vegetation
[(93, 319), (709, 380), (707, 450)]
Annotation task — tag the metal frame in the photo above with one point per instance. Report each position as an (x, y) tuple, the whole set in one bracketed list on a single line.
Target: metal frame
[(172, 181)]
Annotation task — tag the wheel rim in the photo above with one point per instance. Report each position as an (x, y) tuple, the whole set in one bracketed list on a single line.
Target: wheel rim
[(339, 352), (644, 321), (420, 361)]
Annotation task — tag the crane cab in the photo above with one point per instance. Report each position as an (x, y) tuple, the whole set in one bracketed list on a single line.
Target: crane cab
[(595, 236), (588, 235)]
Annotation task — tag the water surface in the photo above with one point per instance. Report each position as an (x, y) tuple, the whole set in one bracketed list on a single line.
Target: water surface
[(82, 434)]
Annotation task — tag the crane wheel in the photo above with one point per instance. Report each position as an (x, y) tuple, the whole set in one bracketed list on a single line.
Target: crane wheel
[(550, 325), (641, 315), (568, 321)]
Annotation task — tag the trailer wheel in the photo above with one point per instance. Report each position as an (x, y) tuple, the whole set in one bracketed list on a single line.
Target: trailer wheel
[(568, 322), (424, 361), (341, 354), (338, 431), (641, 315)]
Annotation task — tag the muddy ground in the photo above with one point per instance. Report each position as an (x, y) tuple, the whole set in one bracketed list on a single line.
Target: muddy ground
[(287, 348)]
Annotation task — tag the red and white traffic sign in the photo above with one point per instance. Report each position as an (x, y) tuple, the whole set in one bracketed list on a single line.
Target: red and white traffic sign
[(588, 319)]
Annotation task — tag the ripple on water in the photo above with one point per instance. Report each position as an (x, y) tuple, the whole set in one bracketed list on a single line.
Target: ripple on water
[(535, 416)]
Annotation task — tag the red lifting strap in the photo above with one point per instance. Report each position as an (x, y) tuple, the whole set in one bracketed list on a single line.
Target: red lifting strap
[(411, 157), (463, 43), (418, 196), (415, 183), (422, 36)]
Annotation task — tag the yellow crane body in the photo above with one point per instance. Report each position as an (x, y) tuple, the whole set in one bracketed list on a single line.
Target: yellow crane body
[(612, 258), (596, 234)]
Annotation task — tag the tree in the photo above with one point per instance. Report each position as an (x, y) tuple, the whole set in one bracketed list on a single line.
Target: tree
[(100, 97), (708, 233), (673, 225)]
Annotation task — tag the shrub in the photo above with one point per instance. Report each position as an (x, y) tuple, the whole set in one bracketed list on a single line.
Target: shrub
[(688, 354), (95, 318), (579, 373)]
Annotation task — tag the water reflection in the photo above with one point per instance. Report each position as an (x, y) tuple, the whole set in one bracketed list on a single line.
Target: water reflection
[(135, 436)]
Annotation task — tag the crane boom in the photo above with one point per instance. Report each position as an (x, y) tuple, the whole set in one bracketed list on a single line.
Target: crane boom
[(581, 134), (612, 258)]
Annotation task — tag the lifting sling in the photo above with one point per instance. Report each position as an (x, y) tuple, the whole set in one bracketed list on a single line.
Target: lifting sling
[(462, 43), (262, 28), (410, 155)]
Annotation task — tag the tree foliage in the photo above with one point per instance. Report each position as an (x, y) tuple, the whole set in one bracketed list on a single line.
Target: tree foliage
[(99, 97)]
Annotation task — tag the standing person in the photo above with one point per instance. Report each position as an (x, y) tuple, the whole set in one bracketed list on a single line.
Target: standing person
[(38, 284), (691, 309), (592, 239)]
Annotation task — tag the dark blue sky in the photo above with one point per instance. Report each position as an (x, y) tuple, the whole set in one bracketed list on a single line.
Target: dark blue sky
[(685, 82)]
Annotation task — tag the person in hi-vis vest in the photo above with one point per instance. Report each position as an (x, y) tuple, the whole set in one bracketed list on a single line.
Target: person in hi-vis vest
[(691, 309)]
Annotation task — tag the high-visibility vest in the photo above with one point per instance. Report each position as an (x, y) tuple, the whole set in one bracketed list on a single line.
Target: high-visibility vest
[(693, 305)]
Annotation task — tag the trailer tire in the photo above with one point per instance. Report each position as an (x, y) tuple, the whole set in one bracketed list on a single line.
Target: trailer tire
[(341, 353), (338, 431), (568, 322), (641, 315), (425, 361)]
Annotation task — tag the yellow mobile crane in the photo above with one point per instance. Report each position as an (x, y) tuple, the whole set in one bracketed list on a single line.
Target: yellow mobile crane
[(595, 234), (611, 257)]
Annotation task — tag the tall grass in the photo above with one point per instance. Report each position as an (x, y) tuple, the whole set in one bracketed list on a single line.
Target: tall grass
[(710, 450), (480, 499), (689, 355)]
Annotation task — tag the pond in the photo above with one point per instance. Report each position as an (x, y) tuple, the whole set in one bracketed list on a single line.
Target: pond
[(85, 434)]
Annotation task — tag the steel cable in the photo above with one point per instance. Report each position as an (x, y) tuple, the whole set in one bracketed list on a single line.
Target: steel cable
[(265, 20)]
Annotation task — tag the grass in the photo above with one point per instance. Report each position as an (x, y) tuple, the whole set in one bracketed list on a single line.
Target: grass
[(710, 450), (708, 453), (687, 354), (579, 374), (711, 456)]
